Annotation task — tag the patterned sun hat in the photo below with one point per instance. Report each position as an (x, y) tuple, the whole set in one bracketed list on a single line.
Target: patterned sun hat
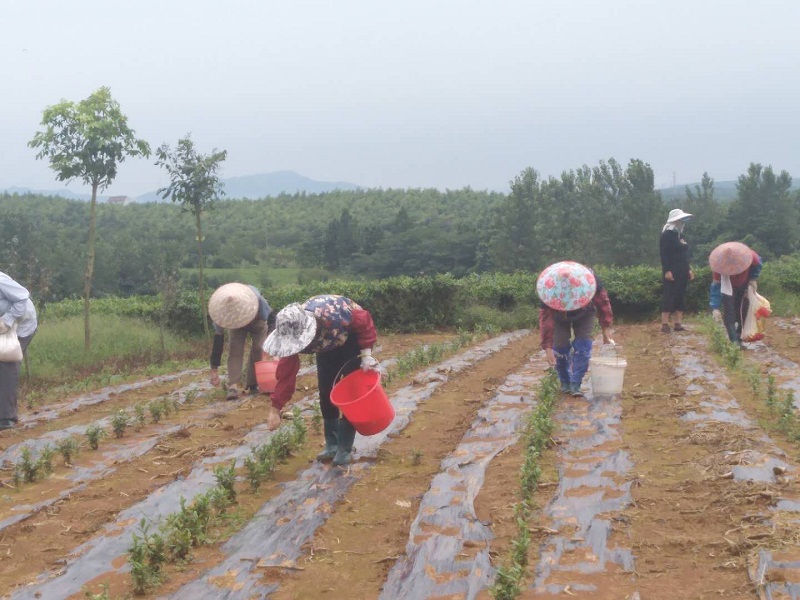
[(566, 285), (730, 258), (233, 305), (295, 329)]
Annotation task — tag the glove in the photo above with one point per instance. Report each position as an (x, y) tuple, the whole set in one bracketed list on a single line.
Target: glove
[(753, 284), (368, 362), (716, 315), (3, 327)]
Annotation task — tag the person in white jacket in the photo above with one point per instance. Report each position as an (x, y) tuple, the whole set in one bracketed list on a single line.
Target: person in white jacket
[(16, 311)]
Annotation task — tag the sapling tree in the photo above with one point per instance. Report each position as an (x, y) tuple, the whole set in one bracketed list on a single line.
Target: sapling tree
[(194, 184), (87, 141)]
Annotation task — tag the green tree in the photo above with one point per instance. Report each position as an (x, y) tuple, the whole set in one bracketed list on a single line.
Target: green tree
[(87, 141), (195, 185), (764, 208)]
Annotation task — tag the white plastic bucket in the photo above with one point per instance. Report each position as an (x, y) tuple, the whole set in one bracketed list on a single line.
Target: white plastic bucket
[(608, 373)]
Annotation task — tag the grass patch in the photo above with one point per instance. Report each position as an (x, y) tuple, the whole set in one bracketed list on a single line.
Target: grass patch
[(121, 346)]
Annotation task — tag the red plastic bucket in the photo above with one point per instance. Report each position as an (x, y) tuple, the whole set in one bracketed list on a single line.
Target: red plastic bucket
[(364, 402), (265, 375)]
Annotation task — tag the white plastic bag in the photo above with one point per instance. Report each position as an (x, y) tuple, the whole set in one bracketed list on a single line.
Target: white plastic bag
[(757, 310), (10, 350)]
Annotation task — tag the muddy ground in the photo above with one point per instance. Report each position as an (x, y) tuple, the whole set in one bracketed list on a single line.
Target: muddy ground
[(682, 486)]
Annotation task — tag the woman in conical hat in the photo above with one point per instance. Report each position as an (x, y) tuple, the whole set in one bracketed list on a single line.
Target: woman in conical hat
[(572, 299), (734, 267), (243, 311)]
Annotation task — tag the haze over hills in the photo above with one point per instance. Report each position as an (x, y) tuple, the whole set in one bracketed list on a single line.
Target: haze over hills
[(247, 186)]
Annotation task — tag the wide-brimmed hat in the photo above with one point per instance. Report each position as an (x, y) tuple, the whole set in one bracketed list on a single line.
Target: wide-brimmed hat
[(233, 305), (295, 329), (676, 214), (730, 258), (566, 285)]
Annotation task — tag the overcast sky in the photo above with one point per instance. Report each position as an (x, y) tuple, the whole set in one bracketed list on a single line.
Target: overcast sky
[(415, 93)]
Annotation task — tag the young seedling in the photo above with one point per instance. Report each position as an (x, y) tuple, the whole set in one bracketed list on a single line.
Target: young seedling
[(68, 448), (140, 414), (145, 557), (27, 469), (772, 394), (226, 479), (316, 419), (299, 429), (416, 456), (44, 463), (156, 410), (119, 423), (190, 396), (94, 433), (102, 595)]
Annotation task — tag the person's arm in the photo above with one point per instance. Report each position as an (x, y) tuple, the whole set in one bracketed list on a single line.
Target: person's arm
[(286, 380), (17, 297), (666, 248), (605, 315), (364, 329)]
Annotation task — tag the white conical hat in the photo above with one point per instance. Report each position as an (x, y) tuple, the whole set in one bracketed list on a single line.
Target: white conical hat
[(233, 305), (295, 328)]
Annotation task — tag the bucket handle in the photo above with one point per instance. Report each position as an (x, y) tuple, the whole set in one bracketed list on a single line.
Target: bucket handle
[(339, 377)]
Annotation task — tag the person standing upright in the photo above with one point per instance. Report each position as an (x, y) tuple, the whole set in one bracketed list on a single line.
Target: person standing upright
[(675, 269)]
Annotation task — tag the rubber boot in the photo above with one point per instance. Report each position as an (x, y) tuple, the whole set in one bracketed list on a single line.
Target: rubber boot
[(331, 429), (575, 389), (347, 433), (562, 366)]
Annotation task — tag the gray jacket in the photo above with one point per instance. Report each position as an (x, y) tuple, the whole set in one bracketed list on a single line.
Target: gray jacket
[(16, 306)]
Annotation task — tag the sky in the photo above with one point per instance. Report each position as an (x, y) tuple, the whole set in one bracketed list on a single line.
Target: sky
[(419, 93)]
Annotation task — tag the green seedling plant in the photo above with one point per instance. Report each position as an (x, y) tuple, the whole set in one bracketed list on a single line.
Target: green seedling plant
[(146, 555), (416, 456), (68, 448), (536, 436), (95, 433), (27, 469), (140, 415), (190, 396), (226, 479), (45, 461), (119, 423), (156, 410), (772, 393), (299, 429)]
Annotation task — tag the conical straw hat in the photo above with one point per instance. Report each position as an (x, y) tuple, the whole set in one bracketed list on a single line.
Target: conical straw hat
[(566, 285), (730, 258), (233, 305)]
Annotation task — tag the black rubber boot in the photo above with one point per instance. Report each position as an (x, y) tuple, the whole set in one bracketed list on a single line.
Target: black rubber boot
[(331, 429), (347, 433)]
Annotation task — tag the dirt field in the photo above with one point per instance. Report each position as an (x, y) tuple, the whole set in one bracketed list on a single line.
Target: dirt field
[(682, 486)]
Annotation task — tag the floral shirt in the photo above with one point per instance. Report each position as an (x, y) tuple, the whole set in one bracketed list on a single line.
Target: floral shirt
[(337, 317)]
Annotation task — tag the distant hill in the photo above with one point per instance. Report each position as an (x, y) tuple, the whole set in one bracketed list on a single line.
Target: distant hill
[(63, 193), (251, 187), (724, 191), (262, 185)]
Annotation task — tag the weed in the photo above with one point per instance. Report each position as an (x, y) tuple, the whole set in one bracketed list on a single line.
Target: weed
[(102, 595), (120, 422), (190, 396), (95, 433), (416, 456), (68, 447)]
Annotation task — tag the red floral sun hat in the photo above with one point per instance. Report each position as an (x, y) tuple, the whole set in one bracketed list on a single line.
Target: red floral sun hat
[(566, 285)]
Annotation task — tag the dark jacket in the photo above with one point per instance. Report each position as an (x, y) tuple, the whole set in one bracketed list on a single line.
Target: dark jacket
[(674, 253)]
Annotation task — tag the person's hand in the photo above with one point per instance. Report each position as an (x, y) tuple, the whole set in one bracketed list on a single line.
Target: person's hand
[(668, 276), (214, 379), (273, 418), (607, 338), (716, 315), (3, 327), (691, 275), (753, 284), (551, 358), (368, 362)]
